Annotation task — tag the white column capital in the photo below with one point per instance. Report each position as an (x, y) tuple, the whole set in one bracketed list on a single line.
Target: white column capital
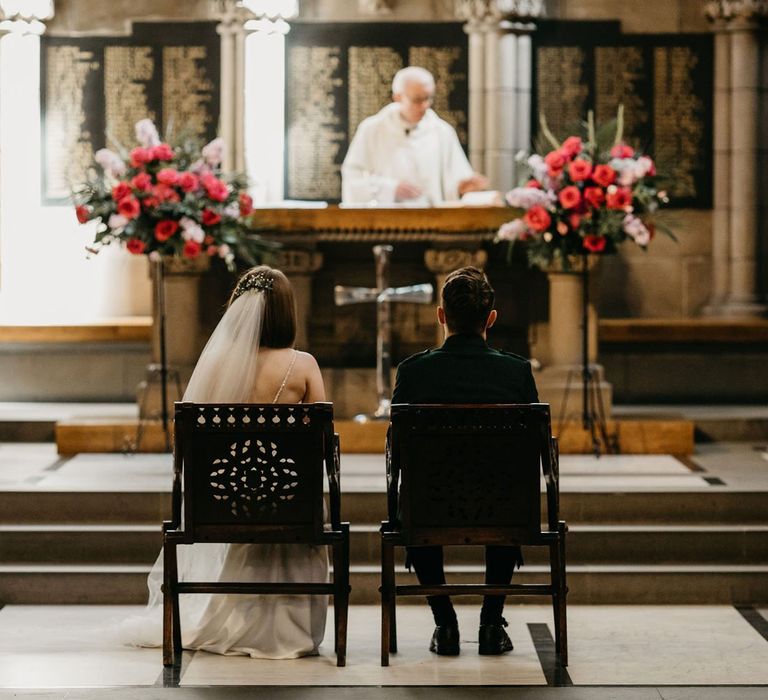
[(733, 14), (515, 10)]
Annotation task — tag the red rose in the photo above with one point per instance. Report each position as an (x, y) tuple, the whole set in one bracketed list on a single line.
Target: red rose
[(208, 240), (210, 217), (168, 176), (604, 175), (165, 229), (621, 198), (82, 213), (246, 203), (140, 156), (533, 182), (150, 203), (580, 170), (135, 246), (538, 218), (570, 197), (621, 150), (555, 161), (594, 244), (574, 220), (571, 146), (129, 207), (215, 188), (191, 249), (121, 190), (142, 182), (165, 193), (189, 182), (211, 250), (161, 152), (594, 196)]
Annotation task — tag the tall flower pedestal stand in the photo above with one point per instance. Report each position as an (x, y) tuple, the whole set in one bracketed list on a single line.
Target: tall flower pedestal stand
[(571, 381), (178, 337)]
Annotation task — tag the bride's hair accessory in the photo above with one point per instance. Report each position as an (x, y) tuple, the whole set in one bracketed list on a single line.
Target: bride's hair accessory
[(259, 282)]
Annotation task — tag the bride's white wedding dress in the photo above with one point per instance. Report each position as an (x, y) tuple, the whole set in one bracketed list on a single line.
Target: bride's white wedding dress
[(260, 626)]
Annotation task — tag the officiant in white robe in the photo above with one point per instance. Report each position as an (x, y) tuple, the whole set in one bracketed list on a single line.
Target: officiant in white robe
[(406, 153)]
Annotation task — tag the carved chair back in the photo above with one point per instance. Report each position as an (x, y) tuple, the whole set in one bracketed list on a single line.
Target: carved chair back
[(469, 473), (254, 471)]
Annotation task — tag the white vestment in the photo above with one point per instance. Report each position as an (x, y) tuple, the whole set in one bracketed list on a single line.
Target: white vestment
[(386, 151)]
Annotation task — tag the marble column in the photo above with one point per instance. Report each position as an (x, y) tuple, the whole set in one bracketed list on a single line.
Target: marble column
[(499, 83), (739, 23), (721, 224), (232, 88)]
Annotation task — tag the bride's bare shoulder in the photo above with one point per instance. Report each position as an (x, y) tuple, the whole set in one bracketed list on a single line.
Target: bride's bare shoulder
[(305, 360)]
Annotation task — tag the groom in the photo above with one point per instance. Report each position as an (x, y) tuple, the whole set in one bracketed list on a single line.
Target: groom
[(465, 370)]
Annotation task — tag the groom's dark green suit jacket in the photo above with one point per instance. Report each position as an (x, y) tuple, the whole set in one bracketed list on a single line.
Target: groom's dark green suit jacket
[(465, 370)]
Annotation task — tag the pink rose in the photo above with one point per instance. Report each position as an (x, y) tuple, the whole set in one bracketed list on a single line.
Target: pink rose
[(555, 161), (189, 182), (142, 182), (129, 207), (140, 156), (571, 147), (538, 218), (604, 175), (162, 152), (579, 170), (168, 176), (570, 197), (621, 150), (121, 190)]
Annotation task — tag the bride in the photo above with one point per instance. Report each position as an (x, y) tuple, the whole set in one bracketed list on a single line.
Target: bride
[(249, 358)]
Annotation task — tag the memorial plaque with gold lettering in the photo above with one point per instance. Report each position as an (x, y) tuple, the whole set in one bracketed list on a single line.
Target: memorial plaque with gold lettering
[(339, 74), (665, 83), (94, 89)]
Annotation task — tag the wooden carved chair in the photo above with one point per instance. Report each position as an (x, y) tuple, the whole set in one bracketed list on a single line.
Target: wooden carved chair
[(470, 475), (254, 473)]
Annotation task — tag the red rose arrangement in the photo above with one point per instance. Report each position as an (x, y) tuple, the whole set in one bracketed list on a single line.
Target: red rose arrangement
[(159, 200), (584, 197)]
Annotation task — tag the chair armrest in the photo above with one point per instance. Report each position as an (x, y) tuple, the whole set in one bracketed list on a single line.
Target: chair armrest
[(393, 480), (333, 470)]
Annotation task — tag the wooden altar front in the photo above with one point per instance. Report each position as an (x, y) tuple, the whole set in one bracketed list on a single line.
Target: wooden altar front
[(333, 245)]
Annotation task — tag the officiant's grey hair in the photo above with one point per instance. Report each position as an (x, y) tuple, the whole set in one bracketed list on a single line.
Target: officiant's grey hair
[(412, 74)]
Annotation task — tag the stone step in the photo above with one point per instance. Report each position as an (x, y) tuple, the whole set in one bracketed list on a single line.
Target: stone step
[(714, 505), (600, 585), (587, 544)]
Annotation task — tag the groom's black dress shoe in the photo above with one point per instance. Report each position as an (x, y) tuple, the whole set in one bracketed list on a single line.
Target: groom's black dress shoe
[(445, 640), (494, 640)]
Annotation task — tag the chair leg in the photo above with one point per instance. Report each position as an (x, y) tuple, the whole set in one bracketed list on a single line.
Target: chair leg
[(341, 659), (388, 596), (393, 625), (169, 585), (562, 647), (341, 597)]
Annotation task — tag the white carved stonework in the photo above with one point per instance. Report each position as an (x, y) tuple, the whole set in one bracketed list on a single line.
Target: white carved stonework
[(480, 10), (728, 10)]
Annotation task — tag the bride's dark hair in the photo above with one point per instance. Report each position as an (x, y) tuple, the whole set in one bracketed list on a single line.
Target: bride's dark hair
[(279, 329)]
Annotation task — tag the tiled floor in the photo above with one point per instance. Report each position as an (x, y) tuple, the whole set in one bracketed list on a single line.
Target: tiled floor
[(36, 465), (74, 646)]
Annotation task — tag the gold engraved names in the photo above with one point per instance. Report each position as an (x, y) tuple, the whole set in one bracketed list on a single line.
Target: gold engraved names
[(127, 70), (561, 89), (441, 62), (371, 69), (618, 72), (314, 127), (677, 119), (187, 91), (68, 150)]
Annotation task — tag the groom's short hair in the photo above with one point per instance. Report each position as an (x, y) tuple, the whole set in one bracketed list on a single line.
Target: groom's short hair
[(467, 299)]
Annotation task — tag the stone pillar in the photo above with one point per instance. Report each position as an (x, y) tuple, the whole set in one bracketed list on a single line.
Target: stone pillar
[(442, 261), (232, 88), (721, 225), (499, 83), (299, 265), (738, 23), (475, 30)]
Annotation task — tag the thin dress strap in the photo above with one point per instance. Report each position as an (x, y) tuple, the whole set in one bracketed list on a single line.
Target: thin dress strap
[(285, 378)]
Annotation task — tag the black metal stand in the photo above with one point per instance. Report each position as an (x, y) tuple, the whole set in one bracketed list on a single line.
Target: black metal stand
[(592, 408), (159, 371)]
